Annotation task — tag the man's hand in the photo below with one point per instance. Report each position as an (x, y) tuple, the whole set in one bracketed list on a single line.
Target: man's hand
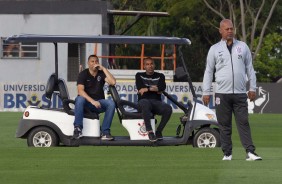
[(142, 91), (96, 104), (206, 99), (98, 66), (252, 95), (154, 88)]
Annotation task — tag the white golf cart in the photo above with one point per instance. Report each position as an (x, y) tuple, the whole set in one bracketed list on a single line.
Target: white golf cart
[(46, 127)]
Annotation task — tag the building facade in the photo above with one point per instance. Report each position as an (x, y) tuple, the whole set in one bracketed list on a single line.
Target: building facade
[(34, 62)]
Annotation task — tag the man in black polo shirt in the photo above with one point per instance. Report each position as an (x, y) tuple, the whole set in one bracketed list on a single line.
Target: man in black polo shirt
[(150, 85), (90, 85)]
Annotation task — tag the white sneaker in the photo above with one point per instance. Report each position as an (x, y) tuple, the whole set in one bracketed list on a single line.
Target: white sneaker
[(252, 157), (227, 157)]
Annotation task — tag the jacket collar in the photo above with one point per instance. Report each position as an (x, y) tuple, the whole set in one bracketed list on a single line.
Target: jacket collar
[(223, 41)]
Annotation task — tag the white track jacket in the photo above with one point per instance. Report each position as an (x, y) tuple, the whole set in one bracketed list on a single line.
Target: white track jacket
[(232, 70)]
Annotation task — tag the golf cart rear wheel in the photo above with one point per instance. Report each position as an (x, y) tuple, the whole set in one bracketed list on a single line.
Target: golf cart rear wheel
[(206, 138), (42, 137)]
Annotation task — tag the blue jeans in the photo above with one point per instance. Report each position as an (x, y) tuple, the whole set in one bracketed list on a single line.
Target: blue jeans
[(107, 106)]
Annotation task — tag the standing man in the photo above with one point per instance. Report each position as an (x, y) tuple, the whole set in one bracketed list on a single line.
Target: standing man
[(150, 85), (232, 61), (90, 85)]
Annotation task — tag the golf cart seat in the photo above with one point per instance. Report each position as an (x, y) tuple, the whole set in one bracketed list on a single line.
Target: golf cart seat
[(120, 106), (50, 86), (133, 122), (55, 85), (64, 95)]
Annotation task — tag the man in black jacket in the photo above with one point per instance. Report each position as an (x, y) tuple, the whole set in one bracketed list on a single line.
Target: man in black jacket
[(150, 85)]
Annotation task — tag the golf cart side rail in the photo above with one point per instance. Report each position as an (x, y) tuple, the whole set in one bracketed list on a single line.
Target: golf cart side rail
[(180, 105)]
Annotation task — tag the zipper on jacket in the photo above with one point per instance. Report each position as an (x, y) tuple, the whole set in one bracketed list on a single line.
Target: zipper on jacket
[(230, 52), (232, 72)]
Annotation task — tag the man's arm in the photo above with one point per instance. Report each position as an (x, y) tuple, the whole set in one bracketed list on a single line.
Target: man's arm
[(250, 74), (81, 92), (139, 85), (208, 76), (138, 81), (161, 85), (110, 79)]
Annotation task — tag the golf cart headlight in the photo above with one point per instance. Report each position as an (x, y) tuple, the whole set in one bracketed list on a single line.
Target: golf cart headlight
[(211, 117), (26, 113)]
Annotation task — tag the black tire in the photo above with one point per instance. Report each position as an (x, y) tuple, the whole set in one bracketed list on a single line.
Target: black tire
[(206, 138), (42, 137)]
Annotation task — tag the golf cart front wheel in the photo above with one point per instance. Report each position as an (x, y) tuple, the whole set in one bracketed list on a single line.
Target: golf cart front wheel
[(42, 137), (206, 138)]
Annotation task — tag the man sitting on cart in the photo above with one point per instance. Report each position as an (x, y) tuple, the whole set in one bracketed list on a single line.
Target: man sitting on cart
[(90, 85), (150, 85)]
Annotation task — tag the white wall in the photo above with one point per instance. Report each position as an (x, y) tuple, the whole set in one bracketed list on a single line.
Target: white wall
[(34, 70)]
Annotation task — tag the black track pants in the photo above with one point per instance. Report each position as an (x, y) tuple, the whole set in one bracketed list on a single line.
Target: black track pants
[(225, 105), (148, 107)]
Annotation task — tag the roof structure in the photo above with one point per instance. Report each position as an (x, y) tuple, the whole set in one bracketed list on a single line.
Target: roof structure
[(110, 39), (134, 13)]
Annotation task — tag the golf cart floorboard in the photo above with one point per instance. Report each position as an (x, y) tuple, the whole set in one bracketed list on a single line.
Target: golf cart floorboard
[(124, 141)]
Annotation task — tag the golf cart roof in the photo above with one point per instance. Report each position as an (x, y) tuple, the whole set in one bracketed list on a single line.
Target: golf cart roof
[(111, 39)]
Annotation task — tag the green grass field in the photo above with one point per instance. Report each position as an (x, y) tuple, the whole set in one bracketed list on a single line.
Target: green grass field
[(173, 164)]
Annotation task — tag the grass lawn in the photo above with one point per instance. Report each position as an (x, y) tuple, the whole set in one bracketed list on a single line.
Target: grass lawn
[(171, 164)]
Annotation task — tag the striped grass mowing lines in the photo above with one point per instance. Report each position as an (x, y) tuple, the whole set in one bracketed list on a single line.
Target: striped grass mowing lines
[(120, 164)]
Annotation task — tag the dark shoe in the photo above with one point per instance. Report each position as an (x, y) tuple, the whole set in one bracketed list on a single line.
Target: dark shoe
[(159, 135), (77, 133), (107, 137), (152, 137)]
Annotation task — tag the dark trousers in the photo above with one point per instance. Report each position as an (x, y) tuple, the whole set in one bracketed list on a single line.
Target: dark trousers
[(226, 104), (148, 107)]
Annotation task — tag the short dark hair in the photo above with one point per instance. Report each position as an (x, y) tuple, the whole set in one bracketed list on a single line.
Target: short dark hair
[(148, 58), (92, 55)]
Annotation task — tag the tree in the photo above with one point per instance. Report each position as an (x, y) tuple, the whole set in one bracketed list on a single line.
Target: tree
[(269, 60), (199, 21), (146, 25), (251, 17)]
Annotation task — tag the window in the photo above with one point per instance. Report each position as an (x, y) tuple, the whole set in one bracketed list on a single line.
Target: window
[(76, 60), (20, 50)]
